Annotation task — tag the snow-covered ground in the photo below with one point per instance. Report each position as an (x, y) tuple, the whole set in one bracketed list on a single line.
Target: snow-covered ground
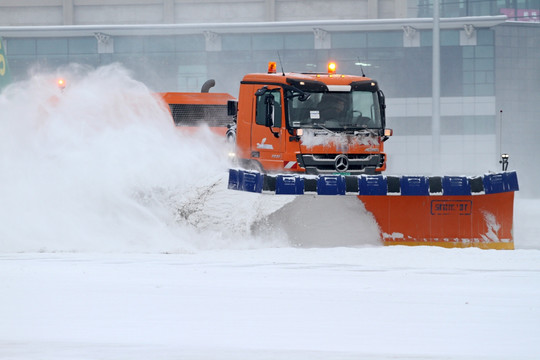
[(119, 240)]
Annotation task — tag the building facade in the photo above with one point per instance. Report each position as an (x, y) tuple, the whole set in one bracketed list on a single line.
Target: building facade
[(490, 81), (99, 12)]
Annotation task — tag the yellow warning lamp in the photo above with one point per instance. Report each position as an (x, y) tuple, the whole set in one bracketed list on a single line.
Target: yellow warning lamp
[(332, 67), (61, 83), (272, 67)]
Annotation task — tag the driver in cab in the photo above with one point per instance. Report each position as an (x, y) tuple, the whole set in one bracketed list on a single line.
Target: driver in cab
[(333, 110)]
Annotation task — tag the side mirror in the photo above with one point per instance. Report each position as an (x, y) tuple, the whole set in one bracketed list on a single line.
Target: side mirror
[(261, 91), (382, 104), (382, 100), (232, 107), (269, 112)]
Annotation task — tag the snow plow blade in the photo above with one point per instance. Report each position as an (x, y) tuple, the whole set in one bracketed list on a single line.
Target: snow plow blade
[(447, 211)]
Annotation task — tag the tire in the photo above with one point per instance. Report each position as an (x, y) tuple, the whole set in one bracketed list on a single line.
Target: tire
[(253, 165)]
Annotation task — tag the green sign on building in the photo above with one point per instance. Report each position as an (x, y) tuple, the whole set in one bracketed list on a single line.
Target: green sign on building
[(4, 73)]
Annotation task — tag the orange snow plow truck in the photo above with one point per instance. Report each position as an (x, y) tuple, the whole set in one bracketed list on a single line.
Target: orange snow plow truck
[(306, 123), (324, 133)]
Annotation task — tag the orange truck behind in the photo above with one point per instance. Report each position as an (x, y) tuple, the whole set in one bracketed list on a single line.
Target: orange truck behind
[(190, 111)]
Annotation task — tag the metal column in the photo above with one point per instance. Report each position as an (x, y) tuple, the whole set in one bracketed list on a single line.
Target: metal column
[(436, 92)]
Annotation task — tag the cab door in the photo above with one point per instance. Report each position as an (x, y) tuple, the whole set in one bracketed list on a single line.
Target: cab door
[(268, 133)]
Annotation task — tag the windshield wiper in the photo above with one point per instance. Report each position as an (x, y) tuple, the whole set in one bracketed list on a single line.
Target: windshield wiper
[(364, 131), (324, 128)]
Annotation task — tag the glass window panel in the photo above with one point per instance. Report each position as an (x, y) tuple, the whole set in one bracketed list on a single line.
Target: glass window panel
[(468, 64), (299, 41), (485, 37), (449, 37), (235, 42), (469, 126), (267, 42), (227, 57), (468, 77), (87, 59), (426, 38), (302, 56), (485, 90), (190, 58), (385, 39), (260, 117), (483, 64), (129, 60), (472, 125), (480, 77), (468, 52), (451, 71), (52, 61), (385, 54), (410, 125), (468, 90), (451, 125), (21, 46), (484, 124), (19, 64), (82, 45), (484, 51), (190, 43), (160, 44), (261, 59), (349, 40), (105, 59), (128, 45), (50, 46)]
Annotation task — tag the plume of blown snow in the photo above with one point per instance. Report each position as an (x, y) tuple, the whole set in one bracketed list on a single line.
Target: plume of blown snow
[(100, 166)]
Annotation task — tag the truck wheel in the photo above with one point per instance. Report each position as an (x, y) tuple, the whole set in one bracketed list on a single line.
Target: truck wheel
[(231, 137), (255, 166)]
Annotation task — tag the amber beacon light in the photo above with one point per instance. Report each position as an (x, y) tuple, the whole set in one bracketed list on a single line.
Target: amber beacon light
[(272, 67), (332, 67)]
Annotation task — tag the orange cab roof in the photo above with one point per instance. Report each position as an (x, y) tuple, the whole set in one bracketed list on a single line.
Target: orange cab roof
[(328, 79)]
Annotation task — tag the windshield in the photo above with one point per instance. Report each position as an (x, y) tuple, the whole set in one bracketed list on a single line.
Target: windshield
[(336, 110)]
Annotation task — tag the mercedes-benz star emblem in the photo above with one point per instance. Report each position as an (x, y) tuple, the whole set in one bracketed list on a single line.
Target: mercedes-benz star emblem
[(341, 163)]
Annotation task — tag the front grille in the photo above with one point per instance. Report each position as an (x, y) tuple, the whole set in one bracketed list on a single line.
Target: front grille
[(325, 163), (199, 114), (362, 157)]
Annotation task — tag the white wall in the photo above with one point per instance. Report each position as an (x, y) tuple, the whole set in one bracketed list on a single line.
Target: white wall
[(88, 12), (466, 154)]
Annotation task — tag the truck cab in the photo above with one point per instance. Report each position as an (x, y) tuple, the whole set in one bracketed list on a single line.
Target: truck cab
[(312, 123)]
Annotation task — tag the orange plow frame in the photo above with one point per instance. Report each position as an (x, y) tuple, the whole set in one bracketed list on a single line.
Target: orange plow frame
[(448, 211), (484, 221)]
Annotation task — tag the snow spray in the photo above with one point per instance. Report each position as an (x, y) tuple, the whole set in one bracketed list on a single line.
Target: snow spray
[(98, 165)]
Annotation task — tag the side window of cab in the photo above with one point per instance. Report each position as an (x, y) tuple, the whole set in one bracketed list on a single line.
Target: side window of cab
[(274, 97)]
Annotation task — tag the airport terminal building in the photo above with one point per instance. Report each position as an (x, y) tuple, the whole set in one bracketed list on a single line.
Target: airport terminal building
[(489, 60)]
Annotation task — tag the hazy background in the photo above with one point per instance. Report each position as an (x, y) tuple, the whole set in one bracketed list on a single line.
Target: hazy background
[(119, 239), (488, 64)]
